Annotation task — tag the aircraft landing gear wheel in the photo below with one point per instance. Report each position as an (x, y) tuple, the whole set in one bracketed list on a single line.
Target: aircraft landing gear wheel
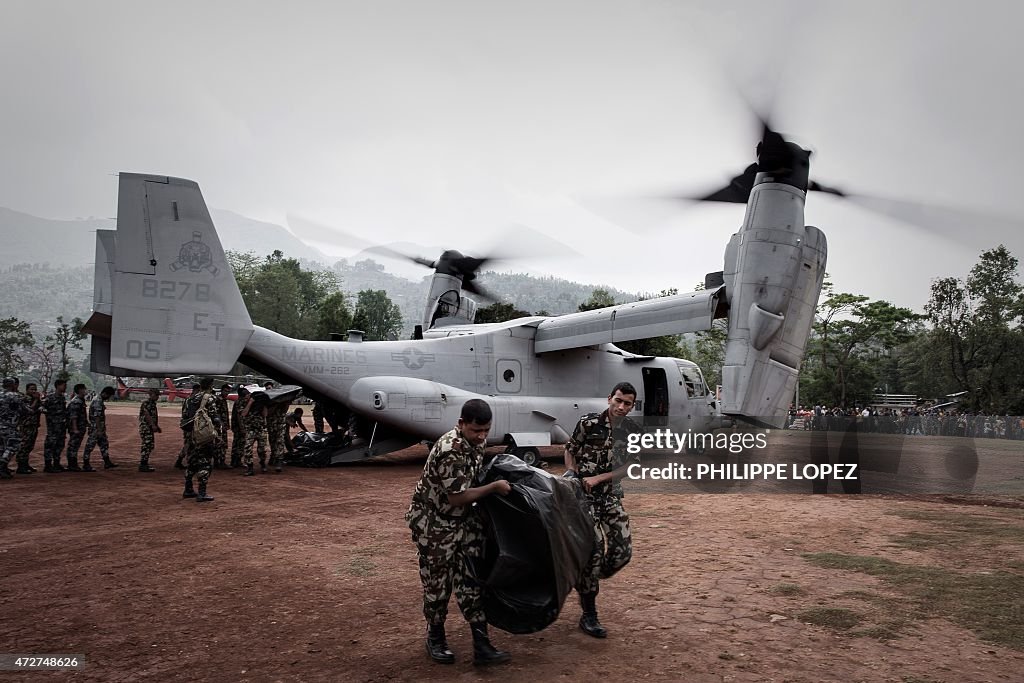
[(529, 455)]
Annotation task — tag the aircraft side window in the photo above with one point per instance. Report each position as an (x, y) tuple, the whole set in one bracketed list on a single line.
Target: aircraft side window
[(693, 381), (508, 376)]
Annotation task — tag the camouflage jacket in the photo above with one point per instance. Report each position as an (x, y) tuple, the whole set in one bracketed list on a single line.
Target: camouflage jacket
[(255, 420), (56, 409), (98, 416), (191, 407), (76, 411), (237, 424), (12, 409), (29, 420), (148, 416), (597, 449), (451, 467)]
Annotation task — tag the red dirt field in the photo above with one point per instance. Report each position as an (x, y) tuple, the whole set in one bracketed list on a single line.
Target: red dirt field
[(310, 575)]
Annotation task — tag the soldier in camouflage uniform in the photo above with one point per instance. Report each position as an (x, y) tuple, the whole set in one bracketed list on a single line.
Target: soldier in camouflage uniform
[(12, 409), (276, 429), (149, 424), (77, 422), (238, 427), (200, 457), (447, 532), (98, 431), (255, 418), (224, 416), (183, 452), (28, 427), (56, 426), (597, 453)]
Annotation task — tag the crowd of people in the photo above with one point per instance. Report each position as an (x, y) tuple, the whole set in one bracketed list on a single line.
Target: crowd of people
[(909, 421), (265, 426)]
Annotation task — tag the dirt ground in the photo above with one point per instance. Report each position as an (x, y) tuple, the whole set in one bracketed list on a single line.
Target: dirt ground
[(310, 575)]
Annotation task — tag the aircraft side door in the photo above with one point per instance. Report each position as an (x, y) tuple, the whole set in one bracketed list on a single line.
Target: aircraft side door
[(655, 397)]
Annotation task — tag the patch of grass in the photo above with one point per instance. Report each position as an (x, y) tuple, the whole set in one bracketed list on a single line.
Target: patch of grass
[(788, 589), (991, 604), (837, 618), (916, 540), (362, 566), (962, 529)]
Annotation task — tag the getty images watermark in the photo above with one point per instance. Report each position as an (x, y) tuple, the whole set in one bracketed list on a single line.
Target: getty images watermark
[(757, 458), (731, 442)]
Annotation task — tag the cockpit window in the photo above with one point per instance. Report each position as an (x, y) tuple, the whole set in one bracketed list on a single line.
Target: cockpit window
[(693, 381)]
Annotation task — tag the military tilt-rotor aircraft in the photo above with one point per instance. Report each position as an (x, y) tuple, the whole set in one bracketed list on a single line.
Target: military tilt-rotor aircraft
[(165, 301)]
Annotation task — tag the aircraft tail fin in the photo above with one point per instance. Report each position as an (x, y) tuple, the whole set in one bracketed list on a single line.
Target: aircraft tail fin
[(174, 303), (172, 391)]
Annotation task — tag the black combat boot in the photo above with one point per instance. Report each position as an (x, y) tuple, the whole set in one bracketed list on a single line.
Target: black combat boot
[(249, 471), (86, 467), (144, 467), (108, 464), (57, 467), (202, 497), (73, 464), (263, 466), (180, 462), (437, 645), (23, 468), (588, 621), (189, 492), (48, 467), (279, 464), (483, 652), (4, 472)]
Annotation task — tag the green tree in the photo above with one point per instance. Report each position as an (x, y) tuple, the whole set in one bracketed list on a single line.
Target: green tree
[(599, 298), (498, 313), (335, 317), (15, 338), (978, 325), (281, 295), (67, 335), (851, 334), (377, 316)]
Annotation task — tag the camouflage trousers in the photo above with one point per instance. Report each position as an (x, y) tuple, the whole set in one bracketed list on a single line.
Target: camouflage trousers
[(10, 443), (613, 545), (74, 443), (54, 444), (221, 453), (29, 435), (445, 547), (148, 444), (237, 441), (275, 437), (200, 463), (259, 437), (96, 438)]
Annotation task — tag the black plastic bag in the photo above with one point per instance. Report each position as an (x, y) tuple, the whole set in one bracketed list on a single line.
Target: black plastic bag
[(538, 540)]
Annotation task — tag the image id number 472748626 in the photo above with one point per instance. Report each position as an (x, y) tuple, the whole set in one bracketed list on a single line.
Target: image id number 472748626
[(43, 662)]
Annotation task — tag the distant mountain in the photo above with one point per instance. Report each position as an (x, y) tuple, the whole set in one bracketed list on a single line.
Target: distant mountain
[(30, 239), (46, 269)]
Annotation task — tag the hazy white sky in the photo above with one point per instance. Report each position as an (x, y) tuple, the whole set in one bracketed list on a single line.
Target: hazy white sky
[(446, 122)]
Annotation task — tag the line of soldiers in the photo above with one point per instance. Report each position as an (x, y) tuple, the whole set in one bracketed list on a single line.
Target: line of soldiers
[(20, 415), (72, 422)]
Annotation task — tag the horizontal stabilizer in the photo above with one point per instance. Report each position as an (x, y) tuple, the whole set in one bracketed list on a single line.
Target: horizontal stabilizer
[(677, 314)]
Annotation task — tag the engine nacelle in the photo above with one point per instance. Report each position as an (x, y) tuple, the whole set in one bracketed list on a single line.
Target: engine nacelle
[(774, 267)]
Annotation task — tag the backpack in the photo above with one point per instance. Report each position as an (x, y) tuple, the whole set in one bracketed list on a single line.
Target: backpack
[(203, 429)]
